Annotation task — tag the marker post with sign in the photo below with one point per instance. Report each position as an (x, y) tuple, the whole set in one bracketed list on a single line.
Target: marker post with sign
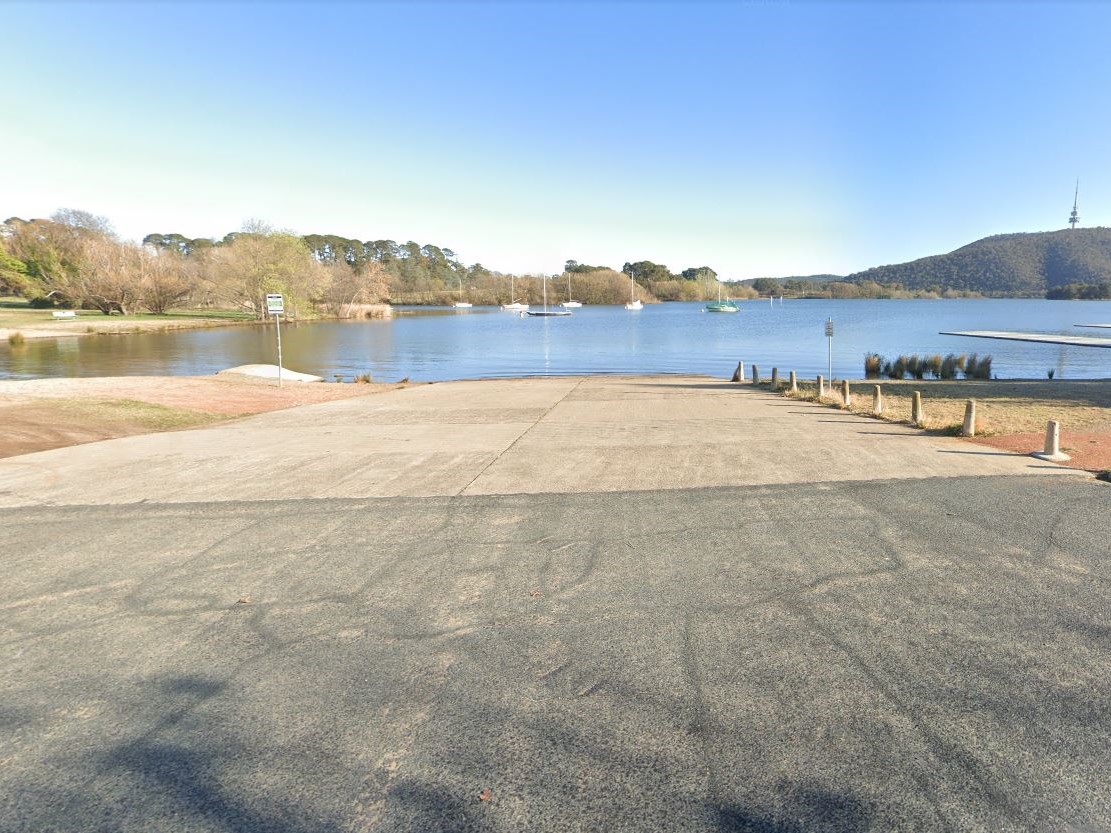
[(829, 336), (275, 305)]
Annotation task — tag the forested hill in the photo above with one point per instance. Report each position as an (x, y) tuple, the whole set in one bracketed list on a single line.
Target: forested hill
[(1066, 263)]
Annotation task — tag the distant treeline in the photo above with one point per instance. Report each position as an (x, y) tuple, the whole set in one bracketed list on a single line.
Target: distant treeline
[(836, 287), (75, 259)]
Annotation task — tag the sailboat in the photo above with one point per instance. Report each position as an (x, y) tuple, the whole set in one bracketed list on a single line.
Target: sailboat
[(634, 302), (569, 304), (514, 305), (720, 305), (546, 312), (461, 304)]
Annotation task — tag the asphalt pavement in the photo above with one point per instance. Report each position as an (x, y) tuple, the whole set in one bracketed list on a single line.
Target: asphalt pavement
[(914, 654)]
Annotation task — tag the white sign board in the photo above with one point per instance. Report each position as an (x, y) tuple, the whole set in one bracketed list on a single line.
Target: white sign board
[(275, 304), (829, 329)]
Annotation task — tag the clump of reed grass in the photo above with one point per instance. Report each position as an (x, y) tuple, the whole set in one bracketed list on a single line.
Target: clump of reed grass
[(918, 367), (951, 365), (362, 379), (15, 339), (976, 367)]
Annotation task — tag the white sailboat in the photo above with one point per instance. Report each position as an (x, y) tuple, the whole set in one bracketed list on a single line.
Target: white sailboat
[(461, 304), (514, 305), (634, 302), (569, 304), (546, 312)]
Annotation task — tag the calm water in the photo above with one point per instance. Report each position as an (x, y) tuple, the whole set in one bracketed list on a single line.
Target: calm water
[(663, 338)]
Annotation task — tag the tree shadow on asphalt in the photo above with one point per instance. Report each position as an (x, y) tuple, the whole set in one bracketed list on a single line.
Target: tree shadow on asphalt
[(175, 775), (808, 809)]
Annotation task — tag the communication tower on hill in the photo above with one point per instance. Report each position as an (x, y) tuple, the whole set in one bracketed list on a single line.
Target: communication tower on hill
[(1074, 218)]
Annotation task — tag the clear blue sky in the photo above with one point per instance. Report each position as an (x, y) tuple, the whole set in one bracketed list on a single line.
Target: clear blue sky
[(758, 138)]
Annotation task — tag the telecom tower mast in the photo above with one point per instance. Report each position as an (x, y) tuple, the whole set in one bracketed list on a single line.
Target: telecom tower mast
[(1074, 218)]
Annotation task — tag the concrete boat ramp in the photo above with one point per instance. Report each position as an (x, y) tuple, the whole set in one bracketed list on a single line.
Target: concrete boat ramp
[(562, 435), (594, 604)]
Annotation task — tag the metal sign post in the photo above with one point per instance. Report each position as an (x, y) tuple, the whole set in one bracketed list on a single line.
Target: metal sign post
[(829, 335), (275, 305)]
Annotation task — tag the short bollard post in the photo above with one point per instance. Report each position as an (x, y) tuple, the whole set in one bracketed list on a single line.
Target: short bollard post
[(821, 387), (1052, 449), (739, 373), (755, 375), (916, 409), (846, 396), (877, 401), (969, 427), (794, 383), (775, 378)]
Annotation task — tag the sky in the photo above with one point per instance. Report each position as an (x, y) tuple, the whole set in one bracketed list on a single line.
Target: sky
[(762, 138)]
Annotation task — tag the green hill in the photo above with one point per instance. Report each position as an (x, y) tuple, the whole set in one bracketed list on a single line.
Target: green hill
[(1034, 264)]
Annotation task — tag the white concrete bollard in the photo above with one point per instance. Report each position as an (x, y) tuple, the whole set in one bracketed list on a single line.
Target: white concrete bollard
[(794, 383), (1052, 450), (739, 373), (916, 415), (775, 378), (755, 375), (877, 401), (821, 387), (969, 427), (846, 395)]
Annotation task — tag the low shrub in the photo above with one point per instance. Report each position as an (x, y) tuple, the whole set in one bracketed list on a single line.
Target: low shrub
[(15, 339), (873, 365)]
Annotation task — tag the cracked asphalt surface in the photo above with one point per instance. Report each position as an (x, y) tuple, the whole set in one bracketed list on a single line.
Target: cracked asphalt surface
[(902, 655)]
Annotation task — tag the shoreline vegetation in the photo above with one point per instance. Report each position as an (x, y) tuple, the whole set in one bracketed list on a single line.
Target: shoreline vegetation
[(75, 260)]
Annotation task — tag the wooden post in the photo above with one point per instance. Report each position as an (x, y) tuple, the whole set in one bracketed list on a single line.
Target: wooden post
[(755, 375), (821, 387), (794, 383), (916, 415), (877, 401), (969, 427), (775, 378), (846, 396), (739, 373)]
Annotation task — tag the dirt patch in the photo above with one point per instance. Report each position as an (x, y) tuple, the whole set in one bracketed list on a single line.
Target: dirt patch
[(41, 414), (1089, 450)]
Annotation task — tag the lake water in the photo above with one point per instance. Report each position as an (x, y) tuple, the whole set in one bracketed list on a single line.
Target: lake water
[(662, 338)]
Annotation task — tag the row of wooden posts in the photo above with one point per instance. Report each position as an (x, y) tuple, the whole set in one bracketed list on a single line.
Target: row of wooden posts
[(1051, 451)]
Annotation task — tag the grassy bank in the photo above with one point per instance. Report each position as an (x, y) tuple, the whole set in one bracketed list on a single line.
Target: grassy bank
[(1002, 407), (17, 316)]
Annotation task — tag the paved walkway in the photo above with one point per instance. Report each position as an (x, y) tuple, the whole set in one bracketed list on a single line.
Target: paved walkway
[(589, 434)]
